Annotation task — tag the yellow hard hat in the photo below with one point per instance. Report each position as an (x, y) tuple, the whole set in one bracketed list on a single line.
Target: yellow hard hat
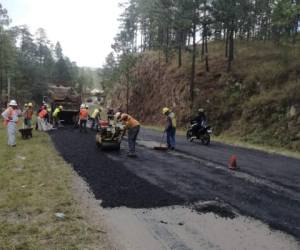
[(165, 110), (30, 104)]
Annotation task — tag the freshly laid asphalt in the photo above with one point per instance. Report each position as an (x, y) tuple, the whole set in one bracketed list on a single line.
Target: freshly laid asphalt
[(266, 187)]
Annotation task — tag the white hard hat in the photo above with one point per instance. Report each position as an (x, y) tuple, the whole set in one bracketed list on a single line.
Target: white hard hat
[(13, 103), (118, 115), (82, 106)]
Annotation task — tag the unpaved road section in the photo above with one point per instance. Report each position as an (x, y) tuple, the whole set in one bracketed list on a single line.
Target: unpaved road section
[(161, 197)]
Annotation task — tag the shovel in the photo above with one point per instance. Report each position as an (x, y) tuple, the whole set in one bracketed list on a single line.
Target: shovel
[(161, 147)]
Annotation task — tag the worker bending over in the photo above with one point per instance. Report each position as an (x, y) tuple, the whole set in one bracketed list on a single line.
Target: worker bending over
[(170, 128), (42, 119), (133, 127), (83, 117), (11, 118), (95, 119), (56, 116)]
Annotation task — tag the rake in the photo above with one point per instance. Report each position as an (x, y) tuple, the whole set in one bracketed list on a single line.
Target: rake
[(161, 147)]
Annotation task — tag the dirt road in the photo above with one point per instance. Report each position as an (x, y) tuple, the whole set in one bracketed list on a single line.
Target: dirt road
[(188, 199)]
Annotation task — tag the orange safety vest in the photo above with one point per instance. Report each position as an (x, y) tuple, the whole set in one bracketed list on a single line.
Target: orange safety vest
[(84, 114), (29, 114), (131, 122), (43, 114)]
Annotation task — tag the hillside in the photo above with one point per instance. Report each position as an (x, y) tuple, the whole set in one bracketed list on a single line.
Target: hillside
[(259, 101)]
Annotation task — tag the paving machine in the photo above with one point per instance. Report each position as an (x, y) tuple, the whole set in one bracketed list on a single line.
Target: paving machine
[(109, 135)]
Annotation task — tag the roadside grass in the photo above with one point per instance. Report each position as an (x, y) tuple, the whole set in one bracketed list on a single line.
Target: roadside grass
[(235, 141), (36, 183)]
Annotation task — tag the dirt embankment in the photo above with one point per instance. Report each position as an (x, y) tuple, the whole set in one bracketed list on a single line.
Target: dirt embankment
[(259, 101)]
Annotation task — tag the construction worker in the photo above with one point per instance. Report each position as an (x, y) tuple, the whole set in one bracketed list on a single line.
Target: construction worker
[(11, 118), (170, 127), (28, 113), (96, 116), (83, 117), (37, 120), (133, 127), (24, 114), (42, 119), (110, 113), (118, 116), (56, 116), (49, 111)]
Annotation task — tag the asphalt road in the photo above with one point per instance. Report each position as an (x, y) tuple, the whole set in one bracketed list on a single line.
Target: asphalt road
[(266, 187)]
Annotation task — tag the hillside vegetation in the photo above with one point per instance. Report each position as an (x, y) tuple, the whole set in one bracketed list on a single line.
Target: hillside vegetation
[(258, 101)]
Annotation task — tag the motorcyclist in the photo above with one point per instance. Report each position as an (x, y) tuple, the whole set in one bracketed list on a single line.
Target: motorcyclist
[(199, 121)]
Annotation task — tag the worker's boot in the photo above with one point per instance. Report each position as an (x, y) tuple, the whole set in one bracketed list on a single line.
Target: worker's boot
[(132, 155)]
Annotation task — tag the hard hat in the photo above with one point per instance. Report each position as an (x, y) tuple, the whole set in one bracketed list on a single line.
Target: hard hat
[(30, 104), (25, 105), (13, 103), (201, 110), (118, 115), (82, 106), (96, 110), (124, 117), (165, 110), (60, 107)]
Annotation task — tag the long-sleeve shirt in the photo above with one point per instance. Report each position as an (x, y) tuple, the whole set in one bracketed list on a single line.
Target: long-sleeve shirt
[(10, 115)]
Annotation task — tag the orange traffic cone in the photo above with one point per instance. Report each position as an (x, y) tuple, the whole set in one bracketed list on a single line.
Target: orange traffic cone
[(233, 162)]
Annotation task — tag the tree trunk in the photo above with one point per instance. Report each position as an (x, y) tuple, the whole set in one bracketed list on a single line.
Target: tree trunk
[(203, 43), (192, 86), (231, 48), (179, 55), (206, 52), (226, 43), (167, 45), (127, 93)]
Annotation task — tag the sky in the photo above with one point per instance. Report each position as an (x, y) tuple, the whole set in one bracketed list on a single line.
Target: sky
[(85, 28)]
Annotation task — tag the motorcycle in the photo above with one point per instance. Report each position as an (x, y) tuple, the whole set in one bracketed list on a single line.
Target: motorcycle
[(203, 133)]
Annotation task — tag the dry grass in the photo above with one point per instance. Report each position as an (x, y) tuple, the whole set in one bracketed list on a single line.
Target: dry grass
[(35, 183)]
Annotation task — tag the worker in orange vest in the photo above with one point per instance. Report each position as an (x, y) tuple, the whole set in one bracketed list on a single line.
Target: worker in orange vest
[(28, 113), (10, 116), (133, 127), (83, 117), (42, 116)]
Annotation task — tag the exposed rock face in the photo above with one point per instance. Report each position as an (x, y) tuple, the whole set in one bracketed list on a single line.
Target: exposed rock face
[(259, 111)]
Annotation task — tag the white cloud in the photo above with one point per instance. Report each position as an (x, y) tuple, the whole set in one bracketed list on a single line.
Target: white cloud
[(84, 28)]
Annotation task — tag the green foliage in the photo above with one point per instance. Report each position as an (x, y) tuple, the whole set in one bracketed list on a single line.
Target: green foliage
[(285, 18), (32, 62)]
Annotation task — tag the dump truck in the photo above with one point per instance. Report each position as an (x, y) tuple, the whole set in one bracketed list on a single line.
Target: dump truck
[(68, 98)]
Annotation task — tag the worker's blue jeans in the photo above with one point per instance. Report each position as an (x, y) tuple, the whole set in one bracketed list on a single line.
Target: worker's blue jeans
[(132, 136), (171, 137)]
